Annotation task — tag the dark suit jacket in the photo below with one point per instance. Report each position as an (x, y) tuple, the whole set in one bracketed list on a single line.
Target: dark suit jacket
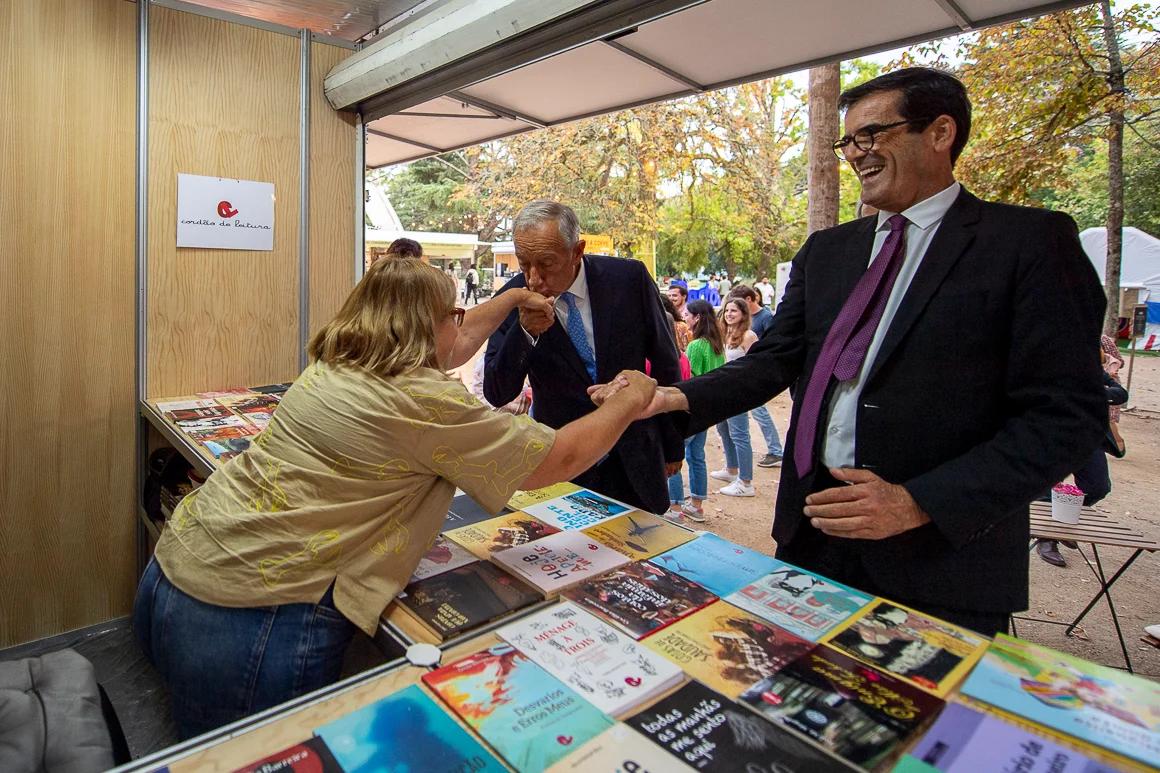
[(629, 325), (985, 392)]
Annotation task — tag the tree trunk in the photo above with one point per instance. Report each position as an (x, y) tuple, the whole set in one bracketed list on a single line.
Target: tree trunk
[(1115, 224), (822, 180)]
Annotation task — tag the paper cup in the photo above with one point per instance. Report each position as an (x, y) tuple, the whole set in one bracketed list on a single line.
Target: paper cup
[(1065, 508)]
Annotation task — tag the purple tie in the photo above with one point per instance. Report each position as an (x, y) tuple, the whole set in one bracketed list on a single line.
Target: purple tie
[(845, 347)]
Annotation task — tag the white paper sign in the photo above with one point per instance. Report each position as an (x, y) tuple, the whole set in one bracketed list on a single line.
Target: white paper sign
[(224, 214)]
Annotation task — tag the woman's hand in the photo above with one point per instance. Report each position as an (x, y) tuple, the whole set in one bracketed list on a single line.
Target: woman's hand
[(537, 313), (635, 386)]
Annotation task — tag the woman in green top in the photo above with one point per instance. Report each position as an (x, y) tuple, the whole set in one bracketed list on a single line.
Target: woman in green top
[(706, 352)]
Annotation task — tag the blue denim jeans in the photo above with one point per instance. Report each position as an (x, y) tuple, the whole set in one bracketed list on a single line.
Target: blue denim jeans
[(698, 472), (734, 433), (768, 429), (224, 663)]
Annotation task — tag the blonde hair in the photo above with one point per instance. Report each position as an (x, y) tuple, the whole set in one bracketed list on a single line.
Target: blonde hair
[(387, 324)]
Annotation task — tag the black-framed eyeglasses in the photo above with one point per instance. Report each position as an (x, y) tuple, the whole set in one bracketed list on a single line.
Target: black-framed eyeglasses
[(458, 313), (864, 138)]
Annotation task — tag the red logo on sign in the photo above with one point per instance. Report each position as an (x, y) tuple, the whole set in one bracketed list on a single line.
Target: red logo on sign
[(225, 209)]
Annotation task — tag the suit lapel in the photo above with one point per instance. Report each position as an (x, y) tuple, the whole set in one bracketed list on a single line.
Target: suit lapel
[(856, 259), (601, 325), (954, 236)]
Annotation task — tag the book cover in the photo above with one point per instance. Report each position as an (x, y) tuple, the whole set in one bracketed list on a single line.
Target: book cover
[(194, 416), (727, 648), (619, 749), (963, 740), (853, 710), (465, 511), (640, 597), (463, 598), (406, 732), (717, 564), (577, 510), (707, 731), (443, 556), (521, 710), (488, 537), (310, 756), (559, 561), (800, 601), (1097, 704), (923, 650), (205, 424), (602, 665), (251, 403), (184, 405), (522, 499), (639, 535), (226, 392)]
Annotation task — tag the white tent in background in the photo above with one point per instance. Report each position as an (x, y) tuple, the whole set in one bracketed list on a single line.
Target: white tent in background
[(1139, 266)]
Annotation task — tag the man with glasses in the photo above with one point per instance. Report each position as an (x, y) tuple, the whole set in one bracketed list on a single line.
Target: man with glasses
[(944, 356)]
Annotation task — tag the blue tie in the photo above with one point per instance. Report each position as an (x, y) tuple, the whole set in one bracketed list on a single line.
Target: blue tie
[(578, 336)]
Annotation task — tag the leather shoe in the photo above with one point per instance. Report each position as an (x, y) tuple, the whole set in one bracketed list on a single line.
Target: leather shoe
[(1069, 543), (1049, 551)]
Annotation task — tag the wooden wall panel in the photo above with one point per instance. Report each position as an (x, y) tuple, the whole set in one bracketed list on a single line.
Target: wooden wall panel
[(332, 157), (224, 101), (67, 464)]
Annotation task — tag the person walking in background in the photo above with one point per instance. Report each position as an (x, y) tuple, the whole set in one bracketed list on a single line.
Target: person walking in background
[(734, 431), (471, 285), (767, 291), (760, 321), (1113, 361), (724, 286), (706, 352)]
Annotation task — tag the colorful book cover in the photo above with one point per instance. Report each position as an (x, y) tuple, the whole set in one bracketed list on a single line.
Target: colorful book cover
[(521, 710), (194, 416), (461, 599), (184, 405), (251, 403), (855, 711), (1097, 704), (963, 740), (727, 648), (500, 533), (310, 756), (191, 426), (577, 510), (619, 749), (803, 602), (707, 731), (465, 511), (559, 561), (717, 564), (640, 597), (639, 534), (226, 393), (522, 499), (602, 665), (443, 556), (923, 650), (405, 733)]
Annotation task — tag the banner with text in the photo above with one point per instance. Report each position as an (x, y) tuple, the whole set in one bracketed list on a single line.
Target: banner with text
[(217, 213)]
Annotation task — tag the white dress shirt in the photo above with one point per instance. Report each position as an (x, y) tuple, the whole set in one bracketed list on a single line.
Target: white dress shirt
[(583, 303), (924, 219)]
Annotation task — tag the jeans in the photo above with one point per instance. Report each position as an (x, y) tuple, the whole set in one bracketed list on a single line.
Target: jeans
[(224, 663), (734, 433), (698, 472), (768, 429)]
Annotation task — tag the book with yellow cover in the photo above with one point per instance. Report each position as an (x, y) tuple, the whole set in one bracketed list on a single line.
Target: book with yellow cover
[(727, 648), (639, 535), (925, 651), (522, 499), (489, 537)]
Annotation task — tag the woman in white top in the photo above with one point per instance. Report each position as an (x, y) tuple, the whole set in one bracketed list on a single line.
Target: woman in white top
[(735, 431)]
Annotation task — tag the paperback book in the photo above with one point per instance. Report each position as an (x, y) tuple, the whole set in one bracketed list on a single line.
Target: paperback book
[(465, 511), (923, 650), (443, 556), (405, 733), (251, 403), (853, 710), (464, 598), (522, 711), (717, 564), (619, 749), (209, 423), (1100, 705), (522, 499), (963, 740), (707, 731), (640, 598), (194, 416), (310, 756), (185, 405), (803, 602), (577, 510), (639, 535), (559, 561), (488, 537), (602, 665)]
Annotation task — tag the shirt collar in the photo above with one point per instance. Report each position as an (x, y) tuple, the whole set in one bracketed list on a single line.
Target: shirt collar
[(579, 286), (927, 212)]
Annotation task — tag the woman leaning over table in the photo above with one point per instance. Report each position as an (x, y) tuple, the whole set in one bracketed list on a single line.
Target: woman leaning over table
[(264, 573)]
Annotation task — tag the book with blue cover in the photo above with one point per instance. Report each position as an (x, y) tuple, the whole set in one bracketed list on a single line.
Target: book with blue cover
[(403, 733), (522, 711), (800, 601), (717, 564)]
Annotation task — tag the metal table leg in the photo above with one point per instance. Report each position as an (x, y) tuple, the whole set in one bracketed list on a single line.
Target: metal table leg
[(1105, 591)]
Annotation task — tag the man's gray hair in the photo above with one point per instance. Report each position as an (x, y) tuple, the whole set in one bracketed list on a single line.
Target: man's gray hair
[(541, 211)]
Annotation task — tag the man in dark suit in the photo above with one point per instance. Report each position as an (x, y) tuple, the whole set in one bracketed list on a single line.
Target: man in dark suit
[(608, 318), (944, 352)]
